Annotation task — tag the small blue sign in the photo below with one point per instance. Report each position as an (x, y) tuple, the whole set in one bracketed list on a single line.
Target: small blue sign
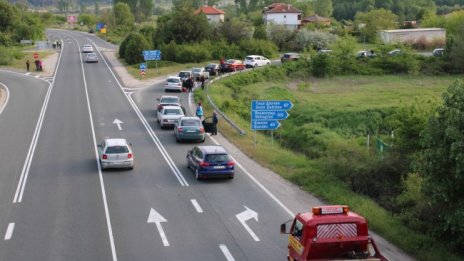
[(271, 105), (143, 66), (268, 115), (152, 55), (265, 125)]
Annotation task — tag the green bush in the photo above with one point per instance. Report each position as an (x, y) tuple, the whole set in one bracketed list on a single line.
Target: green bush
[(132, 48), (323, 65), (6, 56), (258, 47)]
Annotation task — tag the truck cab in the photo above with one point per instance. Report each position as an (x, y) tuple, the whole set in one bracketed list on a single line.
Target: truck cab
[(330, 233)]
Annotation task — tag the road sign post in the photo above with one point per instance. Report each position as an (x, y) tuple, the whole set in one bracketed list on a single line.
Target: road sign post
[(265, 115)]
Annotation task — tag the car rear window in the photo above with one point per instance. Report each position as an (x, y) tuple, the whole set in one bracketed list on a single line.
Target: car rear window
[(190, 123), (215, 158), (196, 70), (173, 80), (171, 112), (117, 149), (249, 58), (169, 100), (184, 74)]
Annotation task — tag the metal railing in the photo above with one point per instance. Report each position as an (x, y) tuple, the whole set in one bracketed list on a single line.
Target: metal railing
[(223, 115)]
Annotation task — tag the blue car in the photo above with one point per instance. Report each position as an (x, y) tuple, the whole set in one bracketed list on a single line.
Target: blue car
[(210, 162)]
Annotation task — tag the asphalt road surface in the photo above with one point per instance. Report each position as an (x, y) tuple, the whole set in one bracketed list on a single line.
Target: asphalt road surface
[(56, 204)]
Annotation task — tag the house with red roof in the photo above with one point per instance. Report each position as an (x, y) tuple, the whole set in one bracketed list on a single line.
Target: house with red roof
[(284, 14), (213, 14)]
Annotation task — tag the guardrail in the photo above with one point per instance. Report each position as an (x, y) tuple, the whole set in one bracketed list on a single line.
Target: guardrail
[(223, 115)]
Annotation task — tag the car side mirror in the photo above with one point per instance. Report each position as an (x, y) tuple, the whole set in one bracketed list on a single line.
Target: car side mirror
[(283, 229)]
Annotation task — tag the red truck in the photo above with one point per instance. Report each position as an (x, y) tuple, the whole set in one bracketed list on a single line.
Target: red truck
[(330, 233)]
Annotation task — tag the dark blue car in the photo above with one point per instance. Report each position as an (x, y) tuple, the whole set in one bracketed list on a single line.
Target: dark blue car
[(210, 162)]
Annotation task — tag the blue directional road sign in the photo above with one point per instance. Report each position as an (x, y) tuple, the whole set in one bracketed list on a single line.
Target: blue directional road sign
[(152, 55), (271, 105), (143, 66), (268, 115), (265, 125)]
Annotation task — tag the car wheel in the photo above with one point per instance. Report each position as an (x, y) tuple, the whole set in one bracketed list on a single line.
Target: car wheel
[(268, 63), (203, 140), (177, 139), (231, 177), (197, 174), (256, 65), (131, 167)]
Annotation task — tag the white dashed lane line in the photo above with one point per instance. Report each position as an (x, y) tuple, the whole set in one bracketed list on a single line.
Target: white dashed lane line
[(196, 205), (9, 231)]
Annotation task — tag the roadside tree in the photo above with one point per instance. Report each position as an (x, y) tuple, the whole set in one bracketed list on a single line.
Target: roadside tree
[(442, 165), (123, 17), (371, 22), (323, 7), (132, 47), (280, 35), (236, 29)]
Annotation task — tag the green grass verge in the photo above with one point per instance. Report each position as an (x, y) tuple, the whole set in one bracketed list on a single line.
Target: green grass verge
[(339, 93), (20, 64)]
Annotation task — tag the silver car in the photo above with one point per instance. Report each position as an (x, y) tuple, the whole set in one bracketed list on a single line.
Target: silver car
[(91, 58), (115, 153), (173, 83), (169, 115)]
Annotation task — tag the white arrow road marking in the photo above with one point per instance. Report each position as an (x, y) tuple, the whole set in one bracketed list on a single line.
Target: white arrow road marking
[(9, 231), (196, 205), (118, 122), (156, 218), (226, 252), (246, 215)]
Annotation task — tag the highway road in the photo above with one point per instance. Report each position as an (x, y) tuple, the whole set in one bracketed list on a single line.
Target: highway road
[(56, 204), (64, 208)]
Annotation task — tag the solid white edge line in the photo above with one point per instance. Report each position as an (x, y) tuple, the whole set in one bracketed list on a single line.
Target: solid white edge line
[(100, 175), (196, 205), (150, 131), (9, 231), (258, 183), (7, 97), (226, 252), (30, 154)]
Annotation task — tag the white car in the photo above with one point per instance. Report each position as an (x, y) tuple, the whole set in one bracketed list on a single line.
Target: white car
[(87, 48), (173, 83), (169, 115), (115, 153), (255, 61), (168, 100), (198, 72)]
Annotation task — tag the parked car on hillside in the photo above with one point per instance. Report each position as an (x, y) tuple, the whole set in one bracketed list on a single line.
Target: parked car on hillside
[(395, 52), (235, 65), (365, 54), (115, 153), (212, 68), (210, 162), (169, 115), (173, 83), (287, 57), (438, 52), (189, 128), (252, 61)]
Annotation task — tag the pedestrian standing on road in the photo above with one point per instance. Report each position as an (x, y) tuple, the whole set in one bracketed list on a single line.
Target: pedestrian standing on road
[(215, 122), (40, 66), (36, 62), (27, 65), (202, 79), (189, 84), (199, 110)]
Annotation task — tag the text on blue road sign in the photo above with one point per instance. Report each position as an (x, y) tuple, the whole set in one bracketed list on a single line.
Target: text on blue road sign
[(271, 105), (265, 125), (268, 115)]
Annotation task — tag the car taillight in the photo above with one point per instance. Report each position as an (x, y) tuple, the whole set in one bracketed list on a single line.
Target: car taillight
[(129, 155), (179, 129), (230, 163), (104, 156), (204, 164), (202, 130)]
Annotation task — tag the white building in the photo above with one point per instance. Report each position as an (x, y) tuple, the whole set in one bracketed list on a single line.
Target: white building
[(284, 14), (213, 14), (412, 35)]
